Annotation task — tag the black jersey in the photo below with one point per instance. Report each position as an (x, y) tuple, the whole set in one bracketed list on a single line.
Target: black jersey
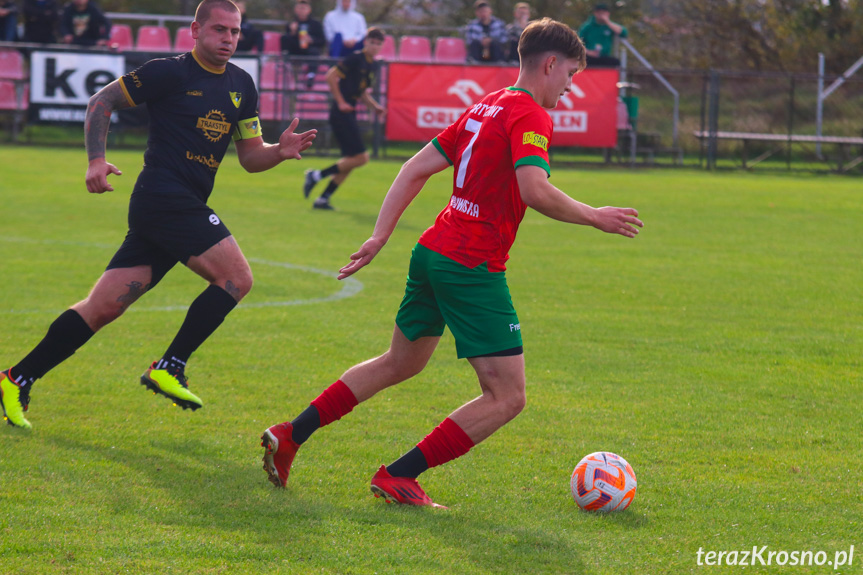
[(195, 111), (357, 73)]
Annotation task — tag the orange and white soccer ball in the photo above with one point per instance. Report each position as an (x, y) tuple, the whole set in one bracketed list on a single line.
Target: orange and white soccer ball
[(603, 481)]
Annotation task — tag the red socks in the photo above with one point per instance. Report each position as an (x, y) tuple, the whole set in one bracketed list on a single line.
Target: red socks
[(335, 402), (445, 443)]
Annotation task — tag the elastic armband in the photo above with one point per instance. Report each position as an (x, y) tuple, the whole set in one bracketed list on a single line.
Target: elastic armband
[(247, 129)]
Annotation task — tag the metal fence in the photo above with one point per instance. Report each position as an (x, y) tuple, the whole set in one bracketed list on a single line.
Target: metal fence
[(707, 119), (752, 120)]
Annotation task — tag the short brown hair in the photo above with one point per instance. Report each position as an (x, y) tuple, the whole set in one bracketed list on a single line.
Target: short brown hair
[(549, 35), (375, 34), (202, 13)]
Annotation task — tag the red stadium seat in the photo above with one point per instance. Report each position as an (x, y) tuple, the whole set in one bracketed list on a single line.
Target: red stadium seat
[(622, 116), (388, 50), (121, 35), (153, 39), (313, 106), (183, 41), (415, 49), (9, 98), (12, 65), (273, 106), (272, 42), (275, 75), (450, 50)]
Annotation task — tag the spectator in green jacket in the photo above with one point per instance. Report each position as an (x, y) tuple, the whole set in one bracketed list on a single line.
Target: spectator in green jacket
[(598, 35)]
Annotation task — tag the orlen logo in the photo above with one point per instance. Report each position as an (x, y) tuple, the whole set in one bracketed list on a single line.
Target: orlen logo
[(569, 121), (440, 117)]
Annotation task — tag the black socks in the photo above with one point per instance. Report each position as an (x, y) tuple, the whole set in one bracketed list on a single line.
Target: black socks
[(64, 337), (206, 313)]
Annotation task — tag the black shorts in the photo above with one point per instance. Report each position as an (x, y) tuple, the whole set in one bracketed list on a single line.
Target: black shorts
[(165, 229), (347, 132)]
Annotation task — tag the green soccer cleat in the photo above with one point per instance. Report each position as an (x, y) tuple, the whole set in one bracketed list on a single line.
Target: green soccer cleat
[(174, 386), (14, 400)]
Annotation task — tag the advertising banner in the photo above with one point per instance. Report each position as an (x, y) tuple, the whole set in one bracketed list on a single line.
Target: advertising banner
[(423, 99), (61, 83)]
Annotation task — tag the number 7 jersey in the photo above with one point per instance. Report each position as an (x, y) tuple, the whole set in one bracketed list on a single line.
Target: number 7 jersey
[(505, 130)]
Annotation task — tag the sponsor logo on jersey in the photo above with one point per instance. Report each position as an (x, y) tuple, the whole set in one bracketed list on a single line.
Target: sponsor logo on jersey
[(195, 93), (214, 219), (252, 126), (214, 125), (236, 98), (464, 206), (210, 162), (135, 79), (535, 139), (514, 327)]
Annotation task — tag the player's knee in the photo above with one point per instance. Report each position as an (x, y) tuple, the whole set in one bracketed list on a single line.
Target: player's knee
[(359, 160), (510, 406), (240, 285), (404, 368), (99, 314)]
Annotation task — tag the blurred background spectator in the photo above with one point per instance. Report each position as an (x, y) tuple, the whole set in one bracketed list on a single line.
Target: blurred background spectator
[(250, 37), (598, 35), (485, 35), (40, 21), (521, 17), (344, 29), (304, 36), (84, 24), (8, 21)]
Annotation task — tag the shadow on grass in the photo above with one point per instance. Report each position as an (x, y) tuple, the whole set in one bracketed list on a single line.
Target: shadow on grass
[(198, 490)]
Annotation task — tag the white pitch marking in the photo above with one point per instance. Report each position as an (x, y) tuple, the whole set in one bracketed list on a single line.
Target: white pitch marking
[(350, 286)]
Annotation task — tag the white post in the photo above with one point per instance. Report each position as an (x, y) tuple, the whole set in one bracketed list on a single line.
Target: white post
[(819, 109)]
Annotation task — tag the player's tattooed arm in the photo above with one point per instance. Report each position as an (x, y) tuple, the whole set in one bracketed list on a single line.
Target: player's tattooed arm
[(98, 119), (96, 124)]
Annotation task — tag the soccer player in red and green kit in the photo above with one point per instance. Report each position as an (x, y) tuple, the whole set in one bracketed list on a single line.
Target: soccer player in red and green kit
[(499, 153)]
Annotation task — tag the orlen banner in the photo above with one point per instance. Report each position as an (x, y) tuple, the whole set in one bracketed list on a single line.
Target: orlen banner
[(423, 99)]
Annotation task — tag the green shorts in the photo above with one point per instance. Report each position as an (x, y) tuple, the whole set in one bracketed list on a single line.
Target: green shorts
[(474, 303)]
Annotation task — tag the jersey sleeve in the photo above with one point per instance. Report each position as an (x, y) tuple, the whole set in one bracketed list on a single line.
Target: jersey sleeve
[(445, 142), (249, 125), (530, 135), (151, 81)]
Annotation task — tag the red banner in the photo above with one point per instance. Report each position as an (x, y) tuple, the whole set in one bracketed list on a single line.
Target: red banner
[(423, 99)]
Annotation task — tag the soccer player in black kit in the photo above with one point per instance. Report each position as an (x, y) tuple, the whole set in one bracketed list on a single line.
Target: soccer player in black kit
[(350, 80), (197, 103)]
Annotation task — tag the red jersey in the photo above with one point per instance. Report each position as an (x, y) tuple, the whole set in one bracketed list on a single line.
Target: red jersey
[(505, 130)]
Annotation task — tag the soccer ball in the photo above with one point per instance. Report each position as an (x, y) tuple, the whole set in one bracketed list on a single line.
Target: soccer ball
[(603, 481)]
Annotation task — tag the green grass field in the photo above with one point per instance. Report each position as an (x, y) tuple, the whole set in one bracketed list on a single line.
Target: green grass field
[(718, 352)]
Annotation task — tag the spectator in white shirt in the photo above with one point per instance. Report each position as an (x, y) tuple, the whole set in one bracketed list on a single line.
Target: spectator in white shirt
[(344, 28)]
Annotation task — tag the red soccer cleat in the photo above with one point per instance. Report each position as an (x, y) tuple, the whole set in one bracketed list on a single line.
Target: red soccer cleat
[(404, 490), (279, 452)]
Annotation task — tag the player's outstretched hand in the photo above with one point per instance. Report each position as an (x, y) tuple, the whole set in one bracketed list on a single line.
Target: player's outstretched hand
[(618, 221), (362, 258), (97, 176), (291, 145)]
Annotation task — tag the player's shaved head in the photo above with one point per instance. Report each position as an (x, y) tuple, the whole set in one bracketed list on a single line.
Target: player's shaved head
[(206, 7)]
